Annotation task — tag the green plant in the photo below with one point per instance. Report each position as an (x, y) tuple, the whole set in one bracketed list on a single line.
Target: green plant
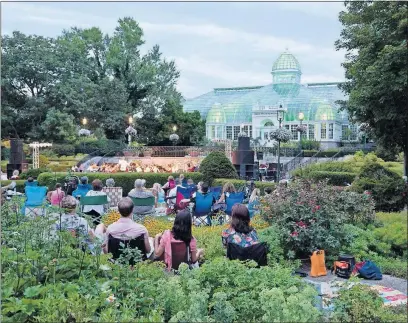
[(20, 184), (239, 183), (63, 149), (217, 165), (310, 144), (34, 173), (334, 178), (44, 161), (386, 187)]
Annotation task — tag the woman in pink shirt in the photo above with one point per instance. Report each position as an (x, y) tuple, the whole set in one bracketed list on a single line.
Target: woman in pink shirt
[(181, 231), (56, 196)]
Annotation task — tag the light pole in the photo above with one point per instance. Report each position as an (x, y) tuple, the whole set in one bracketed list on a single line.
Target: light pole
[(301, 130), (174, 138), (281, 114)]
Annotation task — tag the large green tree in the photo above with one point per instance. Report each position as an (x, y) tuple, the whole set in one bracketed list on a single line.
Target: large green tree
[(375, 37)]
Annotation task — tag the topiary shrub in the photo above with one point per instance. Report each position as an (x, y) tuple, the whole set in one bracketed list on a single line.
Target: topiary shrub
[(34, 173), (386, 187), (217, 165), (63, 149)]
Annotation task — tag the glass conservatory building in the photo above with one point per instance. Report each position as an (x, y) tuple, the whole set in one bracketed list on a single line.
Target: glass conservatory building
[(253, 109)]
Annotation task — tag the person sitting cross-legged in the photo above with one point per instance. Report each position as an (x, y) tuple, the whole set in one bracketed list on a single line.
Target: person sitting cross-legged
[(124, 228)]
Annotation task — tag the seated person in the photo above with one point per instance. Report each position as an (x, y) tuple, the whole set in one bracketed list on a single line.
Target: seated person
[(56, 196), (158, 193), (182, 181), (254, 203), (96, 211), (170, 183), (181, 231), (15, 175), (83, 188), (239, 231), (139, 192), (124, 228), (226, 190), (70, 221), (204, 188), (114, 193), (268, 191)]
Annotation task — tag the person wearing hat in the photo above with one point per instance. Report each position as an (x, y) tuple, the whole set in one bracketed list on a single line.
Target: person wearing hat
[(83, 188), (139, 192), (69, 220)]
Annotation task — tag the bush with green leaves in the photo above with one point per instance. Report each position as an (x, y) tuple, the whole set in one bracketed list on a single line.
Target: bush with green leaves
[(34, 172), (334, 178), (240, 183), (217, 165), (63, 149), (311, 216), (386, 187), (310, 144), (124, 180)]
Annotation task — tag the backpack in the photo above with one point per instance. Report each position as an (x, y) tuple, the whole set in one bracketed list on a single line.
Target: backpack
[(342, 269), (369, 270)]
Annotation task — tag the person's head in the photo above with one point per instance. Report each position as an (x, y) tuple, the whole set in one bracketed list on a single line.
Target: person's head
[(156, 188), (110, 182), (255, 194), (69, 203), (229, 188), (181, 177), (182, 226), (240, 219), (199, 185), (268, 190), (84, 180), (57, 186), (125, 207), (190, 181), (97, 185), (204, 188), (30, 179), (143, 183), (16, 173), (138, 184), (170, 178)]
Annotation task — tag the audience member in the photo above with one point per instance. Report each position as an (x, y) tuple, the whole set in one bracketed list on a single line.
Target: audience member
[(226, 191), (254, 203), (56, 196), (139, 192), (181, 231), (96, 211), (83, 188), (114, 193), (240, 232), (15, 175), (124, 228), (268, 191), (158, 193)]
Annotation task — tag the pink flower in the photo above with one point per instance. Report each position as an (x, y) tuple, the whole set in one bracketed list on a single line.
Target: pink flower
[(294, 234), (301, 224), (317, 207)]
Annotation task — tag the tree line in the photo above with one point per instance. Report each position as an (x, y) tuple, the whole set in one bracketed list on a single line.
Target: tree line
[(49, 84)]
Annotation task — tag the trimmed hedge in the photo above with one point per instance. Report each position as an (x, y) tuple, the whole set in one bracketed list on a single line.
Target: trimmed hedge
[(335, 178), (239, 183), (124, 180), (19, 184)]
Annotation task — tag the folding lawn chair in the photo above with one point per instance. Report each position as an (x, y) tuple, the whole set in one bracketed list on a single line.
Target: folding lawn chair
[(257, 252), (143, 201), (216, 190), (233, 199), (36, 200), (115, 248), (203, 208), (182, 193), (94, 200)]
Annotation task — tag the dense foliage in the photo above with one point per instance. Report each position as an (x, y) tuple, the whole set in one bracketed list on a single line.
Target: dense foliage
[(217, 165), (375, 37), (50, 84), (387, 188), (311, 216), (240, 183)]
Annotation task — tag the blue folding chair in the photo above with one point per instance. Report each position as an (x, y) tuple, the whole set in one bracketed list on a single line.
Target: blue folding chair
[(81, 190), (182, 193), (192, 188), (203, 208), (233, 199), (36, 200), (216, 190), (33, 183)]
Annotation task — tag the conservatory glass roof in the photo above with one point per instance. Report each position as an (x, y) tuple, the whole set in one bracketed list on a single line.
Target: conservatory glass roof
[(235, 105)]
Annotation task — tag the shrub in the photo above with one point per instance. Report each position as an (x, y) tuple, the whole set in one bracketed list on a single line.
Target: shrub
[(5, 153), (304, 213), (217, 165), (393, 232), (44, 161), (240, 183), (63, 149), (34, 173), (310, 144), (124, 180), (19, 184), (334, 178), (309, 153), (103, 147), (386, 187)]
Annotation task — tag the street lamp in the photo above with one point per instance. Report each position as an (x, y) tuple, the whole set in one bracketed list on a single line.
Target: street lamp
[(130, 120), (300, 128), (281, 114), (174, 138), (280, 135), (84, 122)]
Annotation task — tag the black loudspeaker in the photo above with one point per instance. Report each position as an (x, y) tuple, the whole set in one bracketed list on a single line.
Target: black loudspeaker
[(16, 151), (243, 143), (22, 167), (259, 155)]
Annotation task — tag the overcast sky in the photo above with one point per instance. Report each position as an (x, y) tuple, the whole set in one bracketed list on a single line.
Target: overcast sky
[(213, 44)]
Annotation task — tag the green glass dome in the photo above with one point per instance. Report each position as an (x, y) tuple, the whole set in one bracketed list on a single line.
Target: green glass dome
[(216, 114), (286, 61)]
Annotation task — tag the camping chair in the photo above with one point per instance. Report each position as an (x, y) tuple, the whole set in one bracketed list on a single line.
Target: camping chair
[(257, 252), (115, 248), (178, 255), (33, 183), (233, 199), (94, 200), (216, 190), (82, 190), (143, 201), (203, 208), (182, 193), (36, 200)]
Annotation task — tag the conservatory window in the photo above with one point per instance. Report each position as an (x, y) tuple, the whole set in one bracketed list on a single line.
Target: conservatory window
[(323, 131), (229, 132), (330, 130), (250, 131), (266, 137), (303, 135), (219, 132), (293, 130), (344, 132), (212, 132), (287, 127), (311, 131), (353, 135), (237, 130)]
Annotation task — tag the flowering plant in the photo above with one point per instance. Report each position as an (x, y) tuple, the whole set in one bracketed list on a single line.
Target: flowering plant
[(281, 134), (84, 132), (301, 128), (131, 131)]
